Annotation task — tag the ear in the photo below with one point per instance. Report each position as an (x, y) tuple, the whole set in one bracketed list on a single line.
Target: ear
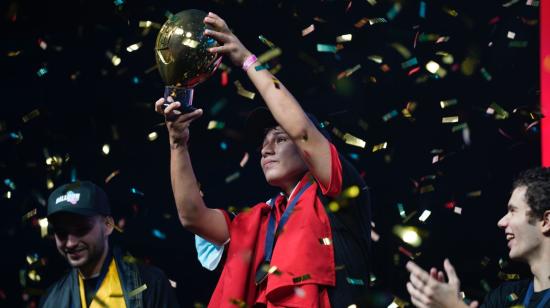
[(109, 225), (546, 223)]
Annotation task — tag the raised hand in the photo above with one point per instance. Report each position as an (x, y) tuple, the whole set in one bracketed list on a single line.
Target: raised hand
[(230, 44), (431, 290), (176, 121)]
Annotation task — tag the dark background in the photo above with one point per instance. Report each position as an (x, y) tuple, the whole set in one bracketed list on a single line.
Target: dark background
[(84, 102)]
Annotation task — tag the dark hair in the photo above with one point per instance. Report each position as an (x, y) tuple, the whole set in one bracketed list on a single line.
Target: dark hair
[(537, 194)]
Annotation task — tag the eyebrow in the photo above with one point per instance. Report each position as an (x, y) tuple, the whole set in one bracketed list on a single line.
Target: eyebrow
[(276, 132), (512, 207)]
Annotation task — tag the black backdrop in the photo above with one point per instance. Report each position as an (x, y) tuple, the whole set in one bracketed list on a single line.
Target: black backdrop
[(64, 98)]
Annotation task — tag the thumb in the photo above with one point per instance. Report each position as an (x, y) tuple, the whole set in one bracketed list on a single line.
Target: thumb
[(474, 304), (451, 274)]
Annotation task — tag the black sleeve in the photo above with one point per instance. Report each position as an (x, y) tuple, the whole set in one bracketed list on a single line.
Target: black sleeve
[(159, 292)]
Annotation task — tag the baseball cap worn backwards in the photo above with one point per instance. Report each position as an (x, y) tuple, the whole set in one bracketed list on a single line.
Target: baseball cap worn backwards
[(83, 198), (261, 119)]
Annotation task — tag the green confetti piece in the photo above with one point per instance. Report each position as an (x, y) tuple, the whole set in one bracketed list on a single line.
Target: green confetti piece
[(301, 278)]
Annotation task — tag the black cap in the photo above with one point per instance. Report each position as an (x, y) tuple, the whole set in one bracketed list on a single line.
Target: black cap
[(83, 198), (260, 119)]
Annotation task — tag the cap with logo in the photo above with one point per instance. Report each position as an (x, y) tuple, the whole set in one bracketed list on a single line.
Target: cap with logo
[(83, 198)]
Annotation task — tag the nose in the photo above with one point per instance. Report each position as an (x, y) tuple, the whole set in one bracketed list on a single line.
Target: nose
[(267, 149), (72, 241), (503, 222)]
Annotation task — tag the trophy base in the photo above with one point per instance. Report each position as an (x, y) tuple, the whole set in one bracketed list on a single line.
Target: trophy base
[(182, 95)]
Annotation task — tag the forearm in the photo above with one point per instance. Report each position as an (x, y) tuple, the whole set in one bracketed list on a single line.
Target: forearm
[(187, 195), (285, 108)]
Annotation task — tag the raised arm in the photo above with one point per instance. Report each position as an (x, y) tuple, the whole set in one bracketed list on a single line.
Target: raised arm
[(286, 110), (194, 215)]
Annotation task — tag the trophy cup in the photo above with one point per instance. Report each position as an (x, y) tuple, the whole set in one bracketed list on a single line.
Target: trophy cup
[(182, 55)]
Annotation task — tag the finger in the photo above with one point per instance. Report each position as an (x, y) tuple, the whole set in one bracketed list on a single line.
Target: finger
[(220, 49), (218, 36), (474, 304), (158, 105), (171, 107), (433, 272), (440, 276), (417, 297), (215, 23), (417, 282), (451, 273), (418, 271)]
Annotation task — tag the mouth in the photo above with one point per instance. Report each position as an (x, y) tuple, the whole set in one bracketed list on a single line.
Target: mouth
[(74, 254), (269, 163)]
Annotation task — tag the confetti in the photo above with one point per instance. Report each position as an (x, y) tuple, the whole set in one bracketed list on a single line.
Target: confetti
[(152, 136), (232, 177), (390, 115), (409, 63), (134, 47), (326, 48), (158, 234), (308, 30), (453, 119), (262, 67), (422, 9), (352, 140), (344, 38), (31, 115), (137, 290), (215, 125), (149, 24), (301, 278), (244, 160), (448, 103), (269, 55), (136, 192), (355, 281), (266, 41), (242, 91), (42, 71), (379, 147), (424, 215), (325, 241), (111, 176)]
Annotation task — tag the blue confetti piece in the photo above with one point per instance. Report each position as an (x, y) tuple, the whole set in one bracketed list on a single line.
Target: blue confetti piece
[(393, 11), (118, 2), (389, 115), (223, 146), (135, 80), (10, 184), (326, 48), (136, 192), (354, 156), (409, 63), (73, 175), (353, 281), (41, 72), (158, 234), (422, 10)]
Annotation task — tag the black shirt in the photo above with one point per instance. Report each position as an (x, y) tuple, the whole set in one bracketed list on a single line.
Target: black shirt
[(511, 294), (89, 288)]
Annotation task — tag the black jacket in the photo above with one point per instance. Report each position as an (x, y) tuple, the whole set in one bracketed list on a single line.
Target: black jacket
[(66, 293)]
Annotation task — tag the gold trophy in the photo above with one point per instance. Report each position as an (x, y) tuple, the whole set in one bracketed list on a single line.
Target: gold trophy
[(182, 55)]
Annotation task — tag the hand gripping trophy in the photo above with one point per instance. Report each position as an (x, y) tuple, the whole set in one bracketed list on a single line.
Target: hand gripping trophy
[(183, 60)]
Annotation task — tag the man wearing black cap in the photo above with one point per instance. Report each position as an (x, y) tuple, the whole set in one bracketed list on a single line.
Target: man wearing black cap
[(81, 218), (290, 251)]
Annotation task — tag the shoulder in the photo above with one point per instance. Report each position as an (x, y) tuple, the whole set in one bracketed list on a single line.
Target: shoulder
[(151, 274), (54, 290)]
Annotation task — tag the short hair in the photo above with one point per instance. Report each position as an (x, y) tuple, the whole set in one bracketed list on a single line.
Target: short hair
[(537, 193)]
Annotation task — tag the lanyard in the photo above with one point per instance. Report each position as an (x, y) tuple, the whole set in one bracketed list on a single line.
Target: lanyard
[(529, 294), (262, 271)]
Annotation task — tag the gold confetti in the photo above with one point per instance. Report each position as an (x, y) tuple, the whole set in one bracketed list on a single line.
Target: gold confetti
[(267, 42), (344, 38), (244, 160), (269, 55), (31, 115), (453, 119), (29, 214), (242, 91), (137, 290), (301, 278), (352, 140), (325, 241), (447, 103), (149, 24), (379, 147)]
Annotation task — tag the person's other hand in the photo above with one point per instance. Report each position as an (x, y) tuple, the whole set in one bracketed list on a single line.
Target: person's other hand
[(230, 44), (431, 290), (176, 121)]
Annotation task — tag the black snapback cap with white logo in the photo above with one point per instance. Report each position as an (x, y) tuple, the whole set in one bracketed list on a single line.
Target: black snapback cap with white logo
[(83, 198)]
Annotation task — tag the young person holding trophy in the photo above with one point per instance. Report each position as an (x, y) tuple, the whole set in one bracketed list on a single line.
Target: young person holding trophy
[(289, 251)]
